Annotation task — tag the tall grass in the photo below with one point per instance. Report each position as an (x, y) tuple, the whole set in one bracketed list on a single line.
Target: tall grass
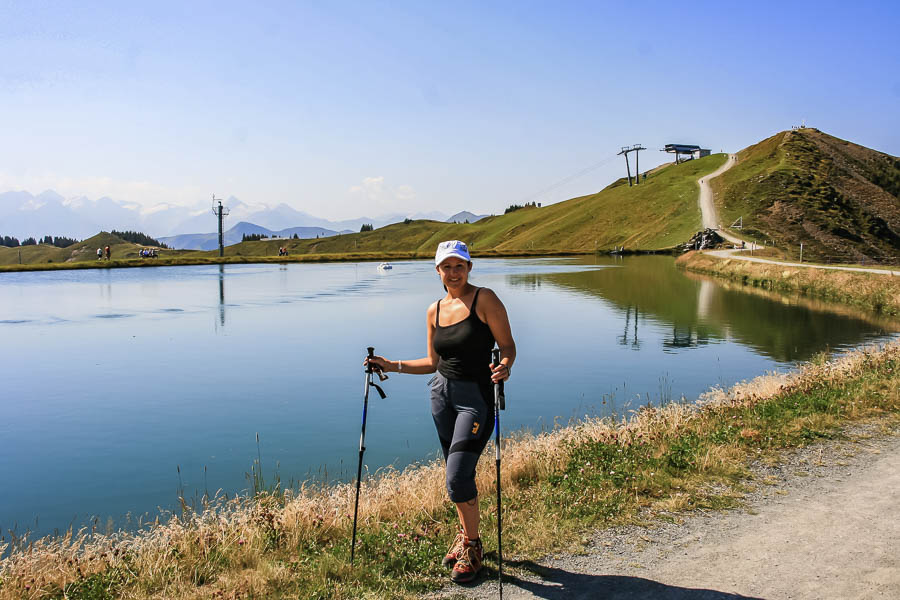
[(557, 486)]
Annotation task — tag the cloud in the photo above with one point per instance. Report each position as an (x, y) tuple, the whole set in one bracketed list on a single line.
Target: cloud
[(372, 188), (381, 197), (144, 193)]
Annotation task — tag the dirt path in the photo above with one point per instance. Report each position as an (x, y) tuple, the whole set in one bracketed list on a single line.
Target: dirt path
[(821, 525), (742, 255), (708, 212)]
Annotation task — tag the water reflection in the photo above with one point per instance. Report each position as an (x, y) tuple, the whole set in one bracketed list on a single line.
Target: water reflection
[(635, 343), (699, 311), (221, 296), (684, 337)]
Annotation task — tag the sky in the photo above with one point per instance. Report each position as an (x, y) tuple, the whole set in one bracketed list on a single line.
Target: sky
[(343, 109)]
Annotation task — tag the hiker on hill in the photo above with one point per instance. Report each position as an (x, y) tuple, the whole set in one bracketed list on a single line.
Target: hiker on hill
[(461, 330), (99, 253), (107, 253)]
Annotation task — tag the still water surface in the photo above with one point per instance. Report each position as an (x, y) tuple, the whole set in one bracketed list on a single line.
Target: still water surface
[(114, 379)]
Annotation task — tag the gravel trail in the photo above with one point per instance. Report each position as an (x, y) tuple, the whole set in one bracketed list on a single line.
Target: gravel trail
[(709, 216), (820, 525), (742, 255)]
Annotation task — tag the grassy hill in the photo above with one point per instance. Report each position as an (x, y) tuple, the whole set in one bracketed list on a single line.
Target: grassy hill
[(656, 214), (81, 252), (838, 198), (659, 213)]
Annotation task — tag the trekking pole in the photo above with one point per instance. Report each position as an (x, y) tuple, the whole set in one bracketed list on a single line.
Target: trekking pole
[(499, 404), (370, 368)]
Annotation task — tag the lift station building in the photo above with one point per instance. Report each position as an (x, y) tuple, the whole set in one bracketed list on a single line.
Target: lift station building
[(685, 152)]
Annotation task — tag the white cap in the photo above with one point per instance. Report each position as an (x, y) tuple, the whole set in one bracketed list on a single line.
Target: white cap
[(451, 248)]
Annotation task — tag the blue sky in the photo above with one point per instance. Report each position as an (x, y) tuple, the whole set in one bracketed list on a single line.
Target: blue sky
[(342, 109)]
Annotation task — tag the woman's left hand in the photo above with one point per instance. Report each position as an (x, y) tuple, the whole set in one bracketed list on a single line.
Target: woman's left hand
[(499, 373)]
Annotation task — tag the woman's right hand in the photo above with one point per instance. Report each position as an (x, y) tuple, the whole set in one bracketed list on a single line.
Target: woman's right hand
[(379, 363)]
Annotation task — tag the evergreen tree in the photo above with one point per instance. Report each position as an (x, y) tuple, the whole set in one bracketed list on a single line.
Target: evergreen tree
[(62, 241), (515, 207), (9, 241), (29, 242), (366, 227), (136, 237)]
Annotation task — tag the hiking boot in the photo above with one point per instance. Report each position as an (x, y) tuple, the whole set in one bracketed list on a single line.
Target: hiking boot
[(468, 563), (455, 550)]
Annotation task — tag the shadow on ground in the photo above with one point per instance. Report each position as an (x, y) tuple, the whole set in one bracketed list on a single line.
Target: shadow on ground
[(558, 584)]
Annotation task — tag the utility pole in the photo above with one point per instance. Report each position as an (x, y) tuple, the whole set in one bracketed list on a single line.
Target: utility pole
[(221, 212), (625, 150)]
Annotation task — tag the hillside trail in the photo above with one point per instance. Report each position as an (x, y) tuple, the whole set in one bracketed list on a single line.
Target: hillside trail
[(711, 221), (820, 525), (709, 216), (742, 255)]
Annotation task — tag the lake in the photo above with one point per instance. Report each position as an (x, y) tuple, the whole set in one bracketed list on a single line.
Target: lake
[(124, 388)]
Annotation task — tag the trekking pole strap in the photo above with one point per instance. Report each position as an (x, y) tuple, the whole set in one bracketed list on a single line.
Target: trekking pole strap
[(378, 389)]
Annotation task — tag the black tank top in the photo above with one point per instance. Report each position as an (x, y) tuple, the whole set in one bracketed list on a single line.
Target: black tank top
[(464, 348)]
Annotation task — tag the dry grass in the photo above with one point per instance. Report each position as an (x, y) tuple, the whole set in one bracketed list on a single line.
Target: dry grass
[(262, 546), (872, 291)]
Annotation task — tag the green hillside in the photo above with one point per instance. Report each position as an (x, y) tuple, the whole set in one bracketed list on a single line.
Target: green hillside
[(838, 198), (659, 213), (80, 252)]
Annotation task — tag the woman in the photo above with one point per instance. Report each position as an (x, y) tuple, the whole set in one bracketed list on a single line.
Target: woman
[(461, 330)]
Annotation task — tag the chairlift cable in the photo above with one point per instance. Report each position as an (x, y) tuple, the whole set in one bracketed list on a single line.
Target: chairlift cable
[(570, 178)]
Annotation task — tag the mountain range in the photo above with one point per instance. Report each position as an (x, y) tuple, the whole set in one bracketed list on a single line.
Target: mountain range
[(25, 215), (210, 241)]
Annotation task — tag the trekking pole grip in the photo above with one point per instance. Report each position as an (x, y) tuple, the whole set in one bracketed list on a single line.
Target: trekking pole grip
[(500, 394), (371, 350)]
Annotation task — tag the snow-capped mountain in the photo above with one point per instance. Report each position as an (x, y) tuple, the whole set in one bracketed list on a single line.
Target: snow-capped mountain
[(23, 215)]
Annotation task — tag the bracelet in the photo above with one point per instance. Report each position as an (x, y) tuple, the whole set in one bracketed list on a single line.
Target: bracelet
[(399, 366)]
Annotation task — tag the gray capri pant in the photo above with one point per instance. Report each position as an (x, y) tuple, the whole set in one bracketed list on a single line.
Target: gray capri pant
[(463, 412)]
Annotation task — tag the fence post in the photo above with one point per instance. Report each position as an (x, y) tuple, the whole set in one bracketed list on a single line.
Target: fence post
[(801, 251)]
